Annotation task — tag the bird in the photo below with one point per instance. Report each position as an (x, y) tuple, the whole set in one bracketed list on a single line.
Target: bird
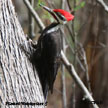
[(46, 57)]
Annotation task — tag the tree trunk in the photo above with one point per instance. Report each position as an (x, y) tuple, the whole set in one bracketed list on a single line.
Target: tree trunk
[(19, 81)]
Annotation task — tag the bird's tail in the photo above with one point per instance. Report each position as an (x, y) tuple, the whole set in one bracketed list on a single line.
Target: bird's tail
[(45, 91)]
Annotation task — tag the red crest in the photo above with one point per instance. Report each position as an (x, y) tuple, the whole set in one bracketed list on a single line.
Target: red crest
[(66, 14)]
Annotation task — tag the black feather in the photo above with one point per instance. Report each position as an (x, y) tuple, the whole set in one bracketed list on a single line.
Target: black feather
[(45, 57)]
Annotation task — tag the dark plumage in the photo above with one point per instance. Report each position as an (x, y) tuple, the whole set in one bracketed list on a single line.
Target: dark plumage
[(45, 58)]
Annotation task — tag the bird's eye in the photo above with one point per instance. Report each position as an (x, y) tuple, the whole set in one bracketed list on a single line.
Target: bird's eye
[(61, 16)]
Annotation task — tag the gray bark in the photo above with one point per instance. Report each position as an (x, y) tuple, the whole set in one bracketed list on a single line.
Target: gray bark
[(19, 81)]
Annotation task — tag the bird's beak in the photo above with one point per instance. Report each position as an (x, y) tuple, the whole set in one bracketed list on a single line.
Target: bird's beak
[(50, 11), (46, 8)]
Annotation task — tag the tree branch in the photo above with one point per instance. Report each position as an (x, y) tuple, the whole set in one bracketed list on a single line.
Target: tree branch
[(31, 22), (103, 4), (35, 15), (64, 100), (76, 78)]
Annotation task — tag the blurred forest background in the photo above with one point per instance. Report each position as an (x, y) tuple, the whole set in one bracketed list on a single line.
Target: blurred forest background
[(87, 38)]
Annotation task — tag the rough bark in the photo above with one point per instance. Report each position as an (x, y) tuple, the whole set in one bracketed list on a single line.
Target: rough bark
[(19, 81)]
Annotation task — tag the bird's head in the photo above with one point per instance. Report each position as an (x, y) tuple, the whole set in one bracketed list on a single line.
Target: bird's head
[(60, 15)]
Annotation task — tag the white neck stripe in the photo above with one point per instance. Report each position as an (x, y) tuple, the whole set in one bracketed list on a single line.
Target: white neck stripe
[(53, 29)]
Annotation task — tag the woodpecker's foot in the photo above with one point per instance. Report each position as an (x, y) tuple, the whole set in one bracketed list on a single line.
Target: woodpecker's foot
[(24, 50), (34, 44)]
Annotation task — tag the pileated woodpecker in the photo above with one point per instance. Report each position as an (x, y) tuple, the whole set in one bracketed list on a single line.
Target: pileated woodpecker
[(48, 49)]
